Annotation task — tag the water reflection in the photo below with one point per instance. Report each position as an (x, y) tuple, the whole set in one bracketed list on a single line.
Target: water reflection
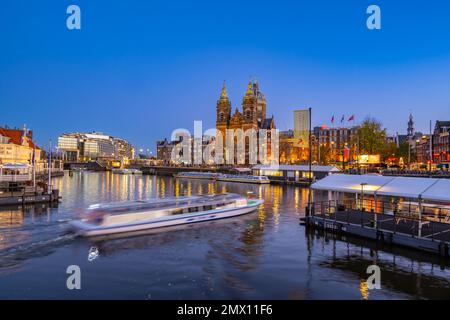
[(411, 273), (262, 255)]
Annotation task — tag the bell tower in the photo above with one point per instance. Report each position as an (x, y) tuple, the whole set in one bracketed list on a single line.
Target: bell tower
[(410, 132), (260, 103), (223, 110), (249, 107)]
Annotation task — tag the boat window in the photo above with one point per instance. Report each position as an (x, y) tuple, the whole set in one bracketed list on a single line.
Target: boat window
[(177, 211), (208, 207), (193, 209)]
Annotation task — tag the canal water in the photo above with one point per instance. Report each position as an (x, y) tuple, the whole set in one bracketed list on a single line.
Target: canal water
[(263, 255)]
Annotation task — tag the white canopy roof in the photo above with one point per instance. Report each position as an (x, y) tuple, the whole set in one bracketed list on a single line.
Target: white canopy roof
[(440, 191), (408, 187), (15, 165), (291, 167)]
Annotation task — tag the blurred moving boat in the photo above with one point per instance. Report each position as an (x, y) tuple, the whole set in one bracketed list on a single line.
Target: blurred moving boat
[(103, 219), (243, 178), (197, 175)]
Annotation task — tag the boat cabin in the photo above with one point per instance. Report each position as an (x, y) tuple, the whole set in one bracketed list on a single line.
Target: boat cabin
[(141, 209)]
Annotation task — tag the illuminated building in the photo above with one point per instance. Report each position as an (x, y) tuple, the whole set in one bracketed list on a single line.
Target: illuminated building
[(253, 115), (441, 142), (422, 149), (335, 140), (164, 150), (16, 146), (80, 147)]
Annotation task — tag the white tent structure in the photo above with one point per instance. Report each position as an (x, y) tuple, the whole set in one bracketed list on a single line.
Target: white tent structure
[(429, 189), (440, 191)]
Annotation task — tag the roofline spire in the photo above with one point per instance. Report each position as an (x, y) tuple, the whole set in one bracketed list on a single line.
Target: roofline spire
[(224, 93)]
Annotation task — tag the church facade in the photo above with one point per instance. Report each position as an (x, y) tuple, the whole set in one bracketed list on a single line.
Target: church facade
[(251, 117)]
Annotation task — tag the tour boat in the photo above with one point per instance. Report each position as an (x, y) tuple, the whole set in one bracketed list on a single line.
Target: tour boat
[(243, 178), (197, 175), (103, 219), (127, 171)]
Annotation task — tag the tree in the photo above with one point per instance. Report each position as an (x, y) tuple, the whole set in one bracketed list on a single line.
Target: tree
[(325, 155), (371, 138)]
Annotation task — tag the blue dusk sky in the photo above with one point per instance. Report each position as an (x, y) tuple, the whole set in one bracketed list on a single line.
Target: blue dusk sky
[(139, 69)]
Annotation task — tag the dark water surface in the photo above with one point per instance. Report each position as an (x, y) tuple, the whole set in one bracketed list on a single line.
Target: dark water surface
[(263, 255)]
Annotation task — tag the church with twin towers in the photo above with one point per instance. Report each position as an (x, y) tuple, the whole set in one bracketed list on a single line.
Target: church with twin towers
[(252, 115)]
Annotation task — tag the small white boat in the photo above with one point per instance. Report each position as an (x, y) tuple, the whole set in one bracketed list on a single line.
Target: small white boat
[(103, 219), (197, 175), (243, 178), (127, 171)]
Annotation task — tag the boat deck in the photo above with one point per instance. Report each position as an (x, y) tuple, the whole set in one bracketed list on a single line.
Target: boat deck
[(159, 204)]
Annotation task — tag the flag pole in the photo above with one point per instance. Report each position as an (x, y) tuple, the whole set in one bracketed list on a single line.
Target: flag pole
[(431, 147), (34, 168), (50, 168), (310, 163)]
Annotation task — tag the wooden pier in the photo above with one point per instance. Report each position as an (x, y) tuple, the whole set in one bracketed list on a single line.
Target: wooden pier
[(431, 233)]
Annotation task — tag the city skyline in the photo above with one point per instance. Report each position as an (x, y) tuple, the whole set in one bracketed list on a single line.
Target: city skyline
[(118, 75)]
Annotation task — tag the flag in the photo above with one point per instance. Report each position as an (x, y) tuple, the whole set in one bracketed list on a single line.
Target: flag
[(342, 119), (352, 118), (332, 119), (346, 152)]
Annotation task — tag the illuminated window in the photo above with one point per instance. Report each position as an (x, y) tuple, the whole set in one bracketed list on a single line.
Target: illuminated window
[(274, 173)]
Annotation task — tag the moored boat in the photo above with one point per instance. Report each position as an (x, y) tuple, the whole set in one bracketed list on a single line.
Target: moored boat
[(243, 178), (197, 175), (127, 171), (102, 219)]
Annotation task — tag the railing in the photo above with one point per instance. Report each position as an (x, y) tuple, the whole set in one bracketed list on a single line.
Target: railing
[(15, 177), (397, 217)]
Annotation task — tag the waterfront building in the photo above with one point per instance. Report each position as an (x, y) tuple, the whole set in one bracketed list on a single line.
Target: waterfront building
[(441, 143), (124, 150), (290, 152), (82, 147), (337, 144), (164, 150), (17, 146), (422, 150), (397, 139), (253, 115)]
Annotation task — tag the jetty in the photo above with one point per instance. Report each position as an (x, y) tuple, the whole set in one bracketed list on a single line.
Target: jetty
[(404, 211), (19, 186)]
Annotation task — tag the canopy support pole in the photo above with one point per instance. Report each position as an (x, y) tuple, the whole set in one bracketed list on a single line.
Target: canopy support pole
[(375, 217), (419, 233)]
